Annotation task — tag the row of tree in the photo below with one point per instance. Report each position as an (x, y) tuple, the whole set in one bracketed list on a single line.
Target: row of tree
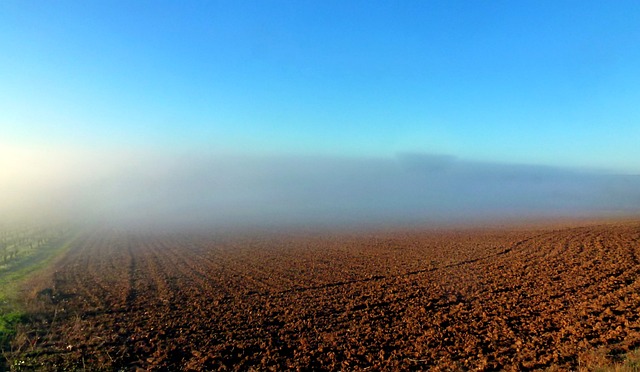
[(18, 242)]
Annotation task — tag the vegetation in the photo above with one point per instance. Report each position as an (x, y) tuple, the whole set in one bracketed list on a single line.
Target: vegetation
[(23, 251), (602, 361)]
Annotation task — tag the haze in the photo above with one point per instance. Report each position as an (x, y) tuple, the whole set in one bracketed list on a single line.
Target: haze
[(276, 113)]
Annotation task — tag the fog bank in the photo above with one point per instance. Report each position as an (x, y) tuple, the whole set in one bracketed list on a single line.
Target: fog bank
[(143, 190)]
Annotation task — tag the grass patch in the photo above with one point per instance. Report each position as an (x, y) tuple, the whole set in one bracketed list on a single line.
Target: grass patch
[(8, 322), (601, 361), (13, 273), (12, 276)]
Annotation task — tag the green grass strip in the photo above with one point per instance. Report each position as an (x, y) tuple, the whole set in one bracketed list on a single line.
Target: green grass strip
[(12, 276)]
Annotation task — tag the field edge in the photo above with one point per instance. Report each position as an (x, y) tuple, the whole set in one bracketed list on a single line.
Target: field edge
[(12, 308)]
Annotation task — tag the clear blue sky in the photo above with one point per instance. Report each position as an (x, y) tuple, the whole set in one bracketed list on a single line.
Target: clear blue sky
[(536, 82)]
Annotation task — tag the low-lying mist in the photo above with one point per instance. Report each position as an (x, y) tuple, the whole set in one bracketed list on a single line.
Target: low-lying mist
[(136, 190)]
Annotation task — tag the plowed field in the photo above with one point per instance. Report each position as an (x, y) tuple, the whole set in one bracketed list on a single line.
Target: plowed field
[(494, 298)]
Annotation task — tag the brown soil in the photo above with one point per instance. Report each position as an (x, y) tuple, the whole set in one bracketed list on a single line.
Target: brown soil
[(487, 299)]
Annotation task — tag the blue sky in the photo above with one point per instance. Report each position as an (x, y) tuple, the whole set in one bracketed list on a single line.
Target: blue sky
[(539, 82), (97, 98)]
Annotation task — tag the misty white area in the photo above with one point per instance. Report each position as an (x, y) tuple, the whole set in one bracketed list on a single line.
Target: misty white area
[(158, 190)]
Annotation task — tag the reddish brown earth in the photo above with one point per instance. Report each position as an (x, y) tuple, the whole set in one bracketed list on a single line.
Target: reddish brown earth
[(489, 299)]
